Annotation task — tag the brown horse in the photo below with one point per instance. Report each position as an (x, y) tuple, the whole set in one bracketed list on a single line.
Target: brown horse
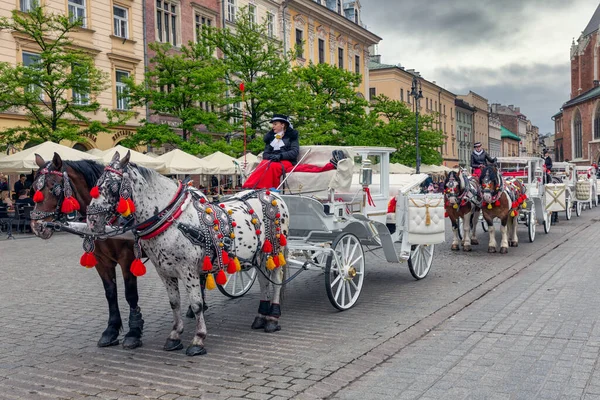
[(497, 204), (462, 200), (52, 180)]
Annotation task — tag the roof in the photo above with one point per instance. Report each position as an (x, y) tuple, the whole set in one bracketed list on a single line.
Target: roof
[(463, 104), (373, 66), (376, 65), (558, 114), (582, 98), (592, 26), (507, 134)]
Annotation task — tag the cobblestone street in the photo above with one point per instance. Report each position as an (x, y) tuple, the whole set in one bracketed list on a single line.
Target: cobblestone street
[(519, 325)]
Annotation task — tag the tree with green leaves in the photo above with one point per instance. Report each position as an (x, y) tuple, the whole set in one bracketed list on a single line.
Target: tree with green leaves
[(56, 88), (188, 84), (393, 124), (328, 108)]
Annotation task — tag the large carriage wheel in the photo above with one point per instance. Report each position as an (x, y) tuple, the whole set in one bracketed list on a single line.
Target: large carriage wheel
[(569, 210), (421, 257), (531, 222), (239, 283), (578, 207), (344, 281)]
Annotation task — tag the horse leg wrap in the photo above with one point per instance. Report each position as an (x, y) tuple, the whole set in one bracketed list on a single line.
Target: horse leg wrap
[(264, 307), (260, 320), (132, 339), (275, 310), (135, 319)]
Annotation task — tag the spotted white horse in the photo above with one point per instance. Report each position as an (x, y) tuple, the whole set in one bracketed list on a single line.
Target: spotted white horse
[(185, 236)]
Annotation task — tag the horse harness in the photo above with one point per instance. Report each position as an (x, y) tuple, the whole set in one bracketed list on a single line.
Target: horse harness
[(469, 194), (62, 191)]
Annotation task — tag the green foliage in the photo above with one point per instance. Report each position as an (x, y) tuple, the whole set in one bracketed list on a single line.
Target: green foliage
[(44, 90), (394, 125)]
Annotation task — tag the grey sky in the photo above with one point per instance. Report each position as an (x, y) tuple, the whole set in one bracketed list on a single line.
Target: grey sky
[(508, 51)]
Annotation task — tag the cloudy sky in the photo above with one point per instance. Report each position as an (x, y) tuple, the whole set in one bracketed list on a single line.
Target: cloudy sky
[(508, 51)]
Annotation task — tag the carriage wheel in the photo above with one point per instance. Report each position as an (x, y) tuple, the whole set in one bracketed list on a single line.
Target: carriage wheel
[(578, 207), (239, 283), (569, 210), (421, 257), (344, 281), (531, 222), (547, 219)]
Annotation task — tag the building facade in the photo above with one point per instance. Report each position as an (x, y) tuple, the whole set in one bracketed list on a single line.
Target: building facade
[(513, 120), (330, 32), (465, 132), (510, 142), (495, 136), (112, 34), (395, 82), (533, 140), (481, 117), (577, 125)]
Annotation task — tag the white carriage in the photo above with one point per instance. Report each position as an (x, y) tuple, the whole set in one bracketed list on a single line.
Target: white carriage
[(586, 187), (530, 171), (561, 193)]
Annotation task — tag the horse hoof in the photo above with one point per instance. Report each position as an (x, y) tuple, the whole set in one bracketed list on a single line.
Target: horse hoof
[(474, 241), (132, 342), (259, 323), (454, 247), (195, 350), (503, 250), (515, 244), (109, 338), (173, 344), (467, 248), (491, 249), (272, 326)]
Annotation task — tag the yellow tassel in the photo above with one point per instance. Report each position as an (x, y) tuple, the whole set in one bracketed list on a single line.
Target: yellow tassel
[(238, 266), (512, 213), (455, 206), (270, 264), (489, 206), (232, 235), (209, 210), (427, 217), (210, 282), (274, 202), (524, 204), (229, 212), (254, 221), (281, 260), (221, 244)]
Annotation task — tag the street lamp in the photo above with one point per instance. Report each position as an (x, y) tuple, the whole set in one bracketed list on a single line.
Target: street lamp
[(416, 92)]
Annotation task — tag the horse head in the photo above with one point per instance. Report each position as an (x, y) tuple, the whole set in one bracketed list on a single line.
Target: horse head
[(453, 187), (490, 183), (108, 193)]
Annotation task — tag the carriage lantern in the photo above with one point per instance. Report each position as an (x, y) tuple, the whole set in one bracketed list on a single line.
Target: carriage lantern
[(366, 173)]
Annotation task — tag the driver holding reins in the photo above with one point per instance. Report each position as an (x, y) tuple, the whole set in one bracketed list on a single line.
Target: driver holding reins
[(479, 158)]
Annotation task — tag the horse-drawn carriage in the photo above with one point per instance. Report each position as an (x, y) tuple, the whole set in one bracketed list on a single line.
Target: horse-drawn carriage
[(561, 192), (586, 187)]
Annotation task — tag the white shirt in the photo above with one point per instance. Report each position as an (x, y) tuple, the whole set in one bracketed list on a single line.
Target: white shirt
[(277, 143)]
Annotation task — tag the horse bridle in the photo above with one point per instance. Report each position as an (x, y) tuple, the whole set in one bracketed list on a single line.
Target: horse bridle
[(57, 191), (114, 186)]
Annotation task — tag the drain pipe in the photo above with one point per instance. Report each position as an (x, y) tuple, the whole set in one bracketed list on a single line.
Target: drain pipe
[(284, 7)]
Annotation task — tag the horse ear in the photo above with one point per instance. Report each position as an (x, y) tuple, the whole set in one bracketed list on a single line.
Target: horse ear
[(125, 159), (39, 160), (116, 157), (57, 162)]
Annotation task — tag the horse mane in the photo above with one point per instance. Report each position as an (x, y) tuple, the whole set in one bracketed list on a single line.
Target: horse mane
[(90, 170), (493, 173)]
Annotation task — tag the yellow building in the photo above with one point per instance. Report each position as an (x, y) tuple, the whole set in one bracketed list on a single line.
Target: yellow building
[(481, 120), (329, 32), (112, 34), (395, 82)]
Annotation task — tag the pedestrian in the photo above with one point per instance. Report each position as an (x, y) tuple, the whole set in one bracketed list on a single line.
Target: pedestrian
[(20, 184), (479, 159), (281, 154)]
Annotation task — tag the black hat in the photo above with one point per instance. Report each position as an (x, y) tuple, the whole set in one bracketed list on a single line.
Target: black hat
[(280, 117), (476, 144), (545, 151)]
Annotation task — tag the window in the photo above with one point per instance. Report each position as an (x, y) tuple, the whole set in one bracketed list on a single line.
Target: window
[(201, 21), (444, 109), (122, 98), (597, 123), (166, 21), (77, 11), (321, 51), (339, 6), (121, 28), (340, 57), (577, 136), (33, 61), (231, 10), (299, 44), (252, 13), (401, 94), (28, 5), (270, 25), (357, 64), (81, 95), (372, 93)]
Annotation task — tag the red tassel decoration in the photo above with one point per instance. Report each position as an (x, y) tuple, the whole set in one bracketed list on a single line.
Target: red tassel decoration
[(231, 268), (122, 206), (130, 205), (225, 257), (95, 192), (221, 278), (38, 197), (276, 261), (483, 204), (446, 214), (497, 203), (282, 240), (69, 205), (88, 260), (137, 267), (267, 247), (206, 264)]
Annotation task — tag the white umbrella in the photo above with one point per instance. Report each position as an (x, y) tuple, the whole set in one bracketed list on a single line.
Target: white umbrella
[(24, 161), (179, 162), (400, 169), (434, 169), (136, 157), (95, 152), (219, 164)]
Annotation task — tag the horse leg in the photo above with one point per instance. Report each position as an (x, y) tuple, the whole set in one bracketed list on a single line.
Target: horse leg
[(264, 307), (513, 231), (106, 270), (474, 223), (172, 285), (455, 241), (504, 240), (272, 324), (196, 348), (492, 232), (467, 232), (190, 312), (133, 338)]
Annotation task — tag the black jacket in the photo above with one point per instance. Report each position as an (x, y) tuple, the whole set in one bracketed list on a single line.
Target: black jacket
[(289, 151), (480, 159), (548, 163)]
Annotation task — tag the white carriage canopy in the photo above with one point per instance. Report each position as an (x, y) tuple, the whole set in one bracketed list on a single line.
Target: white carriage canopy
[(179, 162), (24, 161), (136, 157)]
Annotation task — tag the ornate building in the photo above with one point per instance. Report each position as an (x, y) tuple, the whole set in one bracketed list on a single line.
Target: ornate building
[(465, 132), (495, 136), (481, 117), (112, 34), (577, 125)]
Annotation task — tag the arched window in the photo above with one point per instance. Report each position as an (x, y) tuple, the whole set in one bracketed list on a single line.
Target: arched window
[(577, 136), (80, 147), (597, 122)]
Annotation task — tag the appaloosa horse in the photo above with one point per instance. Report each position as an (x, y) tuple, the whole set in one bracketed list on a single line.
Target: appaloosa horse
[(462, 200), (501, 200), (185, 235), (59, 180)]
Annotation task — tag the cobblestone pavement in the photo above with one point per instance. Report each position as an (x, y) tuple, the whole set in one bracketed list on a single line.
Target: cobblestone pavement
[(535, 333)]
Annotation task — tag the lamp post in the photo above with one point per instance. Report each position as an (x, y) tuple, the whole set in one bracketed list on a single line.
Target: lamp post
[(416, 92)]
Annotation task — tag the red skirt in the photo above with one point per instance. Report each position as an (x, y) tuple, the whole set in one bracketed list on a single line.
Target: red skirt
[(268, 173)]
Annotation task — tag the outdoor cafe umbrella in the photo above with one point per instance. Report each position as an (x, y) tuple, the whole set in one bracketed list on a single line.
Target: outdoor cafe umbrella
[(24, 161), (219, 164), (136, 157), (179, 162)]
